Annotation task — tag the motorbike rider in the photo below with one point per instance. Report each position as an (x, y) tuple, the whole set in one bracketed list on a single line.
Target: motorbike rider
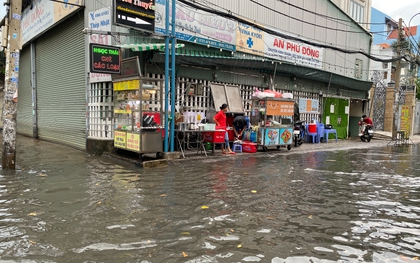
[(367, 122)]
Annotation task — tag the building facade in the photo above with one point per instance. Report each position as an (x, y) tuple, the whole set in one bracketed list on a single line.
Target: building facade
[(385, 34), (313, 50)]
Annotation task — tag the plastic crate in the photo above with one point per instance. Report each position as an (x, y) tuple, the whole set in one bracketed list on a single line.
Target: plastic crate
[(214, 136), (249, 147)]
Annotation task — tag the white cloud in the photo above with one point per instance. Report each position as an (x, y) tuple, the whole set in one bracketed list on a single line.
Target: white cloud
[(405, 9)]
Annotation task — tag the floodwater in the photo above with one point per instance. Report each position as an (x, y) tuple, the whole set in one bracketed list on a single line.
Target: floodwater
[(61, 205)]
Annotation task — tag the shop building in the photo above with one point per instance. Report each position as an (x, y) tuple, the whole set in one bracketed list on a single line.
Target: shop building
[(315, 51)]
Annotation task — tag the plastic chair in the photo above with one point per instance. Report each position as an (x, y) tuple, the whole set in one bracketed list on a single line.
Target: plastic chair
[(313, 135), (237, 148), (327, 133), (320, 130)]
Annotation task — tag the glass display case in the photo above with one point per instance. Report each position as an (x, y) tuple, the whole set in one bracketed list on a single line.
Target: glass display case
[(138, 116)]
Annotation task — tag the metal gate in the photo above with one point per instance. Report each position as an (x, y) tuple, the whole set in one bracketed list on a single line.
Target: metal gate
[(379, 99)]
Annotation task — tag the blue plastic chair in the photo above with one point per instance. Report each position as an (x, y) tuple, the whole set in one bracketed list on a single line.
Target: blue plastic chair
[(327, 133), (312, 135), (320, 130)]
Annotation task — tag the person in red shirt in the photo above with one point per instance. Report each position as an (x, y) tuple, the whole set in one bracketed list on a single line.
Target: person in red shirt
[(367, 121), (220, 120)]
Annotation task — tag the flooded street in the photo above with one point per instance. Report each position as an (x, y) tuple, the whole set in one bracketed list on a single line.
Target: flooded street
[(62, 205)]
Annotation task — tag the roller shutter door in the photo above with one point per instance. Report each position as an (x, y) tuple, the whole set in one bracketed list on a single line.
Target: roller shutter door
[(24, 119), (60, 62)]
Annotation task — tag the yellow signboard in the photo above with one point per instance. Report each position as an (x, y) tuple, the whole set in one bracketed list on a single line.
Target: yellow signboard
[(133, 84), (280, 108), (120, 139), (124, 111), (133, 142), (250, 39), (405, 120)]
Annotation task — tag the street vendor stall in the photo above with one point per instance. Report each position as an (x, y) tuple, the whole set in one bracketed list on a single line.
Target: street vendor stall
[(274, 119), (138, 117)]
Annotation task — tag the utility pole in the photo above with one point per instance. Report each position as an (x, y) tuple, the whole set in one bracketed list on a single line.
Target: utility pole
[(397, 82), (11, 84)]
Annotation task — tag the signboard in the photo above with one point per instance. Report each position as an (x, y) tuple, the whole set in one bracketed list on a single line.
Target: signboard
[(294, 52), (130, 67), (104, 59), (133, 84), (308, 105), (137, 14), (405, 120), (250, 39), (120, 139), (280, 108), (43, 14), (133, 142), (100, 20), (198, 26)]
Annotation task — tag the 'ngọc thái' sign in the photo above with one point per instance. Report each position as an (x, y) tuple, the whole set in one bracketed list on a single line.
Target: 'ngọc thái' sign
[(105, 59)]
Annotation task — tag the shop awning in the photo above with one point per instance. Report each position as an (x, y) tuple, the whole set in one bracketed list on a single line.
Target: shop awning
[(148, 46)]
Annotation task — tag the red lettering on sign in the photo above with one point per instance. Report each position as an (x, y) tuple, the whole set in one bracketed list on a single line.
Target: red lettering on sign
[(278, 43)]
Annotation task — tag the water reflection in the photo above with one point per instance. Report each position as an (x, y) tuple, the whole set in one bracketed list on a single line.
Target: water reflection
[(343, 206)]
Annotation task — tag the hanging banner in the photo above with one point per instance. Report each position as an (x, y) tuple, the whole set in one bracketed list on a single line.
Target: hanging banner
[(198, 26), (250, 39), (292, 51), (43, 14), (405, 120)]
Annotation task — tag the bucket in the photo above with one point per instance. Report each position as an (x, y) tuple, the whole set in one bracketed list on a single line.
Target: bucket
[(312, 127)]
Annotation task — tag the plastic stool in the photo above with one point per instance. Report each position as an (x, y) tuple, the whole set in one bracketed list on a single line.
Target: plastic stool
[(327, 133), (237, 148)]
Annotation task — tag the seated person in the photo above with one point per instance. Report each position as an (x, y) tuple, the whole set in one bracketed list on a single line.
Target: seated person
[(239, 124)]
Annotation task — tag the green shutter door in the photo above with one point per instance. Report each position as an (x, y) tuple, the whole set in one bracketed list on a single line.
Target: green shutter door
[(24, 119), (60, 65)]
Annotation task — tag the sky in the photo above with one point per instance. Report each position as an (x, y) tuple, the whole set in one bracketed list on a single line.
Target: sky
[(405, 9)]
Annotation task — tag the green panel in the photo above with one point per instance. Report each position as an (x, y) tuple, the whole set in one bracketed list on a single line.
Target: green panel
[(60, 62), (338, 118), (354, 126), (24, 117)]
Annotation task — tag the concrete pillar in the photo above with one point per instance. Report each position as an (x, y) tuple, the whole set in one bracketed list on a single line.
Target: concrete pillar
[(410, 101), (389, 110)]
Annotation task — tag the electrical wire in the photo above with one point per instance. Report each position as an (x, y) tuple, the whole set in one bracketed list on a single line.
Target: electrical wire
[(272, 32), (417, 44)]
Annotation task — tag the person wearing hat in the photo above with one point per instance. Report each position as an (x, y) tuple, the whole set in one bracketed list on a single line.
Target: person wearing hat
[(220, 120)]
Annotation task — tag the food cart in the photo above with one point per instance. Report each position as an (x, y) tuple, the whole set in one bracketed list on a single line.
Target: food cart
[(138, 117), (274, 118)]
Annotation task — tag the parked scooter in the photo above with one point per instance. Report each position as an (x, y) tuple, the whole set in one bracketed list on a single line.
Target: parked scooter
[(299, 132), (365, 132)]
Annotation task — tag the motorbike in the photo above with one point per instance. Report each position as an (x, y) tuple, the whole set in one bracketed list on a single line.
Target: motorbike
[(365, 132), (299, 132)]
